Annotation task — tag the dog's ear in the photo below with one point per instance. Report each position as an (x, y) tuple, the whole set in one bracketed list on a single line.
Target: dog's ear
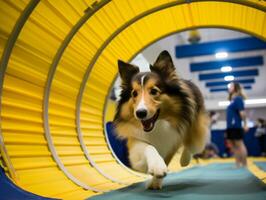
[(126, 71), (164, 65)]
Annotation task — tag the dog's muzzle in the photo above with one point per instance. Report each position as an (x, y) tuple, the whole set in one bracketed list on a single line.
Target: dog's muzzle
[(148, 124)]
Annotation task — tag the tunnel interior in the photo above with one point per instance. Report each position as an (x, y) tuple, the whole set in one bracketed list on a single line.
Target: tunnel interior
[(58, 63)]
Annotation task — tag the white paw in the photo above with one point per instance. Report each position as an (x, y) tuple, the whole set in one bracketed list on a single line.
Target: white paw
[(185, 158), (157, 168), (155, 184)]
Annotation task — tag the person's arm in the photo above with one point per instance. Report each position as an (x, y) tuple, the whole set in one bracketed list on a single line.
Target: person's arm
[(239, 104), (244, 118)]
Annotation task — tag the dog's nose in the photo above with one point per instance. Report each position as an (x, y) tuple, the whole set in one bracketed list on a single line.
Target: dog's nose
[(141, 113)]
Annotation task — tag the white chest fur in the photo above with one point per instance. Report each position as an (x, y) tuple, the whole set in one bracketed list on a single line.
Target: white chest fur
[(163, 137)]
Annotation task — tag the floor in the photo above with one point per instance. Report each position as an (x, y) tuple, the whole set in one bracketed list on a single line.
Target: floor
[(220, 181)]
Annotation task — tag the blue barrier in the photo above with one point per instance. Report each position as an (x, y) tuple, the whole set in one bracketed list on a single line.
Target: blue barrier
[(217, 137), (119, 146)]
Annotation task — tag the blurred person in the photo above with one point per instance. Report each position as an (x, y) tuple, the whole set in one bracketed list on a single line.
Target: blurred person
[(213, 117), (235, 115), (210, 150), (260, 134), (228, 148)]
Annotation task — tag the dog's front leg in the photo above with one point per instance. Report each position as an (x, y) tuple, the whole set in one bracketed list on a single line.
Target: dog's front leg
[(156, 164), (156, 167), (145, 158)]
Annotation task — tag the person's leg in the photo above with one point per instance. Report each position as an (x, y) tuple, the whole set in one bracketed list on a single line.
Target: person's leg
[(242, 152), (236, 152)]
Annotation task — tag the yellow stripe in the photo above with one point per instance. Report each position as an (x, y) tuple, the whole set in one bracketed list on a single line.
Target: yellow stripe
[(254, 169)]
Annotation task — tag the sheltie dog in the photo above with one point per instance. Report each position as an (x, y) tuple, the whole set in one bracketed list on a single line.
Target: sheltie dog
[(158, 113)]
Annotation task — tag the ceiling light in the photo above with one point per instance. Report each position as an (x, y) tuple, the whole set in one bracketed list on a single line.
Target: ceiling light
[(229, 78), (248, 102), (255, 101), (223, 103), (226, 69), (221, 55)]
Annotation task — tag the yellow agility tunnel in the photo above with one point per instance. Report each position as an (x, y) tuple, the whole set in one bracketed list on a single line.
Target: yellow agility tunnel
[(58, 63)]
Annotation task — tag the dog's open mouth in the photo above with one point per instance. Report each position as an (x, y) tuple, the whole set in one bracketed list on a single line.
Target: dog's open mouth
[(149, 123)]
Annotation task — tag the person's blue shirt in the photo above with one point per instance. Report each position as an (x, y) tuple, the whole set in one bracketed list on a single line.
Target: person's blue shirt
[(233, 118)]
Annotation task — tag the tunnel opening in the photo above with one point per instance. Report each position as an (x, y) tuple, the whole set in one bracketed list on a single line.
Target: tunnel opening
[(54, 81)]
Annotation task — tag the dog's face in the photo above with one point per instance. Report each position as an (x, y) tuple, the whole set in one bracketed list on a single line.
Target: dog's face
[(146, 101), (143, 93)]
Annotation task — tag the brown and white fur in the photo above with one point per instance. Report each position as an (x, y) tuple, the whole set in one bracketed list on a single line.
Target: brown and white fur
[(157, 113)]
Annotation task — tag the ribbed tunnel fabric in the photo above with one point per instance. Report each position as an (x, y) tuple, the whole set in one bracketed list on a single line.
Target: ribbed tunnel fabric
[(58, 63)]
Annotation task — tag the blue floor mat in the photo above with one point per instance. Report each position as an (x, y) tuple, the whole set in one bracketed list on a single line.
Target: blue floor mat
[(214, 181)]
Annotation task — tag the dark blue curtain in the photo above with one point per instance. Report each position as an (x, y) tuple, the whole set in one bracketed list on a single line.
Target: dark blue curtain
[(217, 137), (251, 142)]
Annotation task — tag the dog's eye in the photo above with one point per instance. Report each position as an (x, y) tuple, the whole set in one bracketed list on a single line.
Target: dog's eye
[(134, 93), (154, 91)]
